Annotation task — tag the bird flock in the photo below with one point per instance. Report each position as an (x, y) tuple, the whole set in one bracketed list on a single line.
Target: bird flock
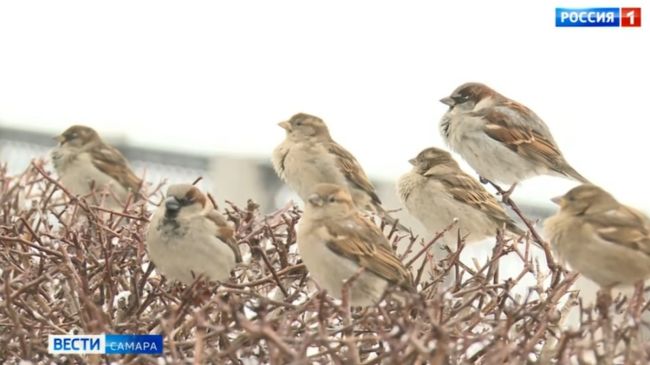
[(501, 139)]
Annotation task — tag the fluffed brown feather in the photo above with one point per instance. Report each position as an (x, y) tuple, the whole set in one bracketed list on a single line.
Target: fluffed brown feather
[(110, 161), (527, 142), (352, 170), (467, 190), (358, 226), (225, 233), (376, 257), (622, 226)]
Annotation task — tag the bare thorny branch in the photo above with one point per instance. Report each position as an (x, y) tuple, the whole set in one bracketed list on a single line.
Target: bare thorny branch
[(70, 266)]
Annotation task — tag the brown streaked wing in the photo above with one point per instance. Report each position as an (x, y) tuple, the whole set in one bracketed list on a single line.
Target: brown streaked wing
[(467, 190), (282, 159), (357, 225), (225, 233), (377, 259), (352, 170), (516, 107), (110, 161), (519, 139), (623, 226)]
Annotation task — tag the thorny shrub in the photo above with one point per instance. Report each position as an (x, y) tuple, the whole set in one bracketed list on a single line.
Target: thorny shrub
[(68, 266)]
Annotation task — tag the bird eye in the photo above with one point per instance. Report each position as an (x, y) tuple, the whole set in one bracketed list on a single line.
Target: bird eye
[(299, 122), (331, 199), (186, 201), (460, 98)]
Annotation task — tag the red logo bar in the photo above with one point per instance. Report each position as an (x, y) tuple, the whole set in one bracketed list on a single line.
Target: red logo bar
[(630, 17)]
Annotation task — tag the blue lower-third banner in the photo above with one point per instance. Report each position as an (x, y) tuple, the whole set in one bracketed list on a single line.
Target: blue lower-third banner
[(109, 344)]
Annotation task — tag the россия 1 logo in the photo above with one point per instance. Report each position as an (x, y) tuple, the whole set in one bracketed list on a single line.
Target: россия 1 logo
[(597, 17)]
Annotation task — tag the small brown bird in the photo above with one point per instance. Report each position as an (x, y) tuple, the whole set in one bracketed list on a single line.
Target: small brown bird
[(309, 156), (187, 236), (83, 159), (501, 139), (436, 191), (335, 240), (600, 238)]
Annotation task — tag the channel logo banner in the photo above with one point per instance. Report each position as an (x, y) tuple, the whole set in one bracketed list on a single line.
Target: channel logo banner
[(76, 344), (587, 17), (108, 344), (597, 17)]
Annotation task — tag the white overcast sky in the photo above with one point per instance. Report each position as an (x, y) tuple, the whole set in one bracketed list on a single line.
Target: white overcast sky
[(216, 77)]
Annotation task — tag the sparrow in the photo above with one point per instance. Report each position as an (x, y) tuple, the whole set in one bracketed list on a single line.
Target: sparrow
[(599, 237), (187, 237), (82, 159), (501, 139), (309, 156), (436, 191), (335, 240)]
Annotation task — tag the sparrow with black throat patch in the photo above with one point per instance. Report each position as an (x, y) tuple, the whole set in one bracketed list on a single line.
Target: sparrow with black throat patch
[(503, 140), (188, 237)]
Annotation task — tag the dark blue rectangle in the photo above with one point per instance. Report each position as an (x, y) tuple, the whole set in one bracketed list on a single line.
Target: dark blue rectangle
[(587, 17), (134, 344)]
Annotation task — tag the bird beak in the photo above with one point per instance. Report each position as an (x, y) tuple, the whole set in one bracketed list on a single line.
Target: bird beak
[(448, 101), (412, 161), (285, 125), (557, 200), (59, 139), (172, 206), (315, 200)]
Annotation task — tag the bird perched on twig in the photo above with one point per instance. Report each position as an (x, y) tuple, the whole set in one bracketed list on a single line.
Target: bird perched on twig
[(187, 236), (501, 139), (436, 191), (600, 238), (309, 156), (335, 240), (82, 159)]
